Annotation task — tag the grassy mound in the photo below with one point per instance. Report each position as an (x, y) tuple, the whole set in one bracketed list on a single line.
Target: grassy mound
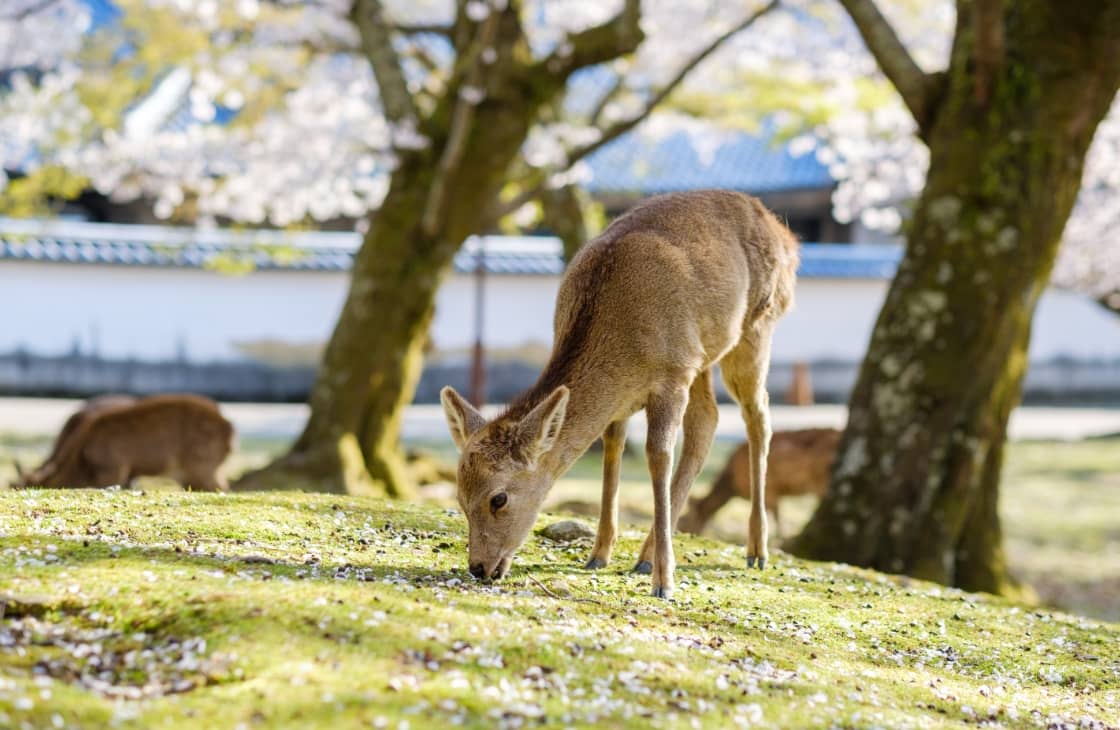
[(289, 610)]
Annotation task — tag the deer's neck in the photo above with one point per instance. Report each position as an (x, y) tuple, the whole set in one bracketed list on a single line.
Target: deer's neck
[(592, 404)]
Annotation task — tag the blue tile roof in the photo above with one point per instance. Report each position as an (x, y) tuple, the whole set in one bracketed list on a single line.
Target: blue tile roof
[(134, 245), (751, 163), (632, 164), (849, 261)]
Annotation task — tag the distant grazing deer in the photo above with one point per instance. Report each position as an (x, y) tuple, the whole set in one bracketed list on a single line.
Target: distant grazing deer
[(183, 437), (89, 408), (679, 283), (799, 463)]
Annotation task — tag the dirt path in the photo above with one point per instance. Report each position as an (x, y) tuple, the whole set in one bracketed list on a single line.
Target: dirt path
[(426, 422)]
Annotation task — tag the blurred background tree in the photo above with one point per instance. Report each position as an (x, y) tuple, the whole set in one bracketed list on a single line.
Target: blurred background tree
[(416, 118), (1008, 125)]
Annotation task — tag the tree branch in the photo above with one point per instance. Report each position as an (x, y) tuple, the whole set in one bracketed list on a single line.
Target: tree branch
[(620, 35), (420, 28), (987, 25), (616, 130), (377, 44), (619, 128), (461, 119), (29, 10), (608, 96), (893, 58)]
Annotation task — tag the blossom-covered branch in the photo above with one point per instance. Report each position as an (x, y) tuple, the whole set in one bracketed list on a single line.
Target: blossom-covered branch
[(620, 35), (912, 83), (377, 43)]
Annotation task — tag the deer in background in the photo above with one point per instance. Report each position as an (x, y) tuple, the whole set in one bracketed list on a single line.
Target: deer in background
[(183, 437), (679, 283), (799, 463), (90, 408)]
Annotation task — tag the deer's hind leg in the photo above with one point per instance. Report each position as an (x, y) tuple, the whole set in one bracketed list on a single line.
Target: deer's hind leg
[(744, 371), (700, 419), (614, 442)]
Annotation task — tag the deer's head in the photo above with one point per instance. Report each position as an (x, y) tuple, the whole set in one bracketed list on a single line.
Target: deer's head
[(26, 478), (502, 482)]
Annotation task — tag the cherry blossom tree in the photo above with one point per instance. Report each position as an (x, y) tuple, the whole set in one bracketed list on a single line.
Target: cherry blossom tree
[(969, 128), (428, 121), (1008, 125)]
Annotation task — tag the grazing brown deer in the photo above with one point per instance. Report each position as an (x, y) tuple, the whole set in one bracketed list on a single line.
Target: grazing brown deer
[(677, 284), (799, 463), (88, 410), (183, 437)]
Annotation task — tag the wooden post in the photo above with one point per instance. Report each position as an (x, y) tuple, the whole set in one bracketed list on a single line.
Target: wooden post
[(801, 389), (478, 355)]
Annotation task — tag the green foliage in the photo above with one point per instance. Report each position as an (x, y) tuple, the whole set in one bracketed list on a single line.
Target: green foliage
[(803, 103), (34, 194)]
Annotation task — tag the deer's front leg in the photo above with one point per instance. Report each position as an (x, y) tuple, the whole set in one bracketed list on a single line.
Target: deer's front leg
[(664, 412), (614, 442)]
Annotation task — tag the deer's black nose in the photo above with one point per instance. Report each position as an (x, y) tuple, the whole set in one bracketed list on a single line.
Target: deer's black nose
[(478, 571)]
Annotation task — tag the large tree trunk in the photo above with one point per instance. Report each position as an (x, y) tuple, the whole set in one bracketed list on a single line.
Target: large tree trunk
[(915, 485), (375, 348), (373, 359)]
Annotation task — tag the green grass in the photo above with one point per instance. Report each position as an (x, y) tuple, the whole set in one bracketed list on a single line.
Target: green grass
[(1060, 510), (166, 609)]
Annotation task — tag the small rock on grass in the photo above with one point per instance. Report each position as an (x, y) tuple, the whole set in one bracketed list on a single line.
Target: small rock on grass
[(566, 531)]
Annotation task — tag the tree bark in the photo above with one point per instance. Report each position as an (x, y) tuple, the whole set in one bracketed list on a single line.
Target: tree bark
[(915, 486), (563, 213), (1111, 302), (372, 362)]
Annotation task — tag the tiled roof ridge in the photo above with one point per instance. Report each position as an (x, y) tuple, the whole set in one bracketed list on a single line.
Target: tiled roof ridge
[(134, 245)]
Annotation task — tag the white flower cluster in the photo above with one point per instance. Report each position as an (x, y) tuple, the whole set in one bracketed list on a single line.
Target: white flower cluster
[(1090, 255), (33, 36), (260, 127)]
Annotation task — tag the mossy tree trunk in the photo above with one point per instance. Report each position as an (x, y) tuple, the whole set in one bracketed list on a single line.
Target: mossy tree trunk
[(438, 196), (915, 488), (564, 213)]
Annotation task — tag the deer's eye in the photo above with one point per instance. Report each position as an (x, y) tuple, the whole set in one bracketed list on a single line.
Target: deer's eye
[(498, 501)]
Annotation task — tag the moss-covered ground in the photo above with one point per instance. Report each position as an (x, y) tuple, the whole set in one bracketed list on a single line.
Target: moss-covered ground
[(166, 609)]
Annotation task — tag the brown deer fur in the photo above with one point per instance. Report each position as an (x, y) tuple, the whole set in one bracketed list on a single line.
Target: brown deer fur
[(90, 408), (183, 437), (679, 283), (799, 463)]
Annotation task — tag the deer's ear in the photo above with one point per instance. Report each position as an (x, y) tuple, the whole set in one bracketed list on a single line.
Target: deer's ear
[(19, 469), (541, 427), (462, 418)]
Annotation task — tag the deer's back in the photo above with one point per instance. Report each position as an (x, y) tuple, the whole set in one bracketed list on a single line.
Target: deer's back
[(158, 434), (671, 284)]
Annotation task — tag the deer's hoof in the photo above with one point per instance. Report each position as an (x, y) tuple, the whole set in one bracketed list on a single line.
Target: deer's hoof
[(661, 592), (752, 562), (595, 564), (644, 567)]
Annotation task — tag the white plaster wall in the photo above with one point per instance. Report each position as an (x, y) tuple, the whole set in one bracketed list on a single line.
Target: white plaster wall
[(518, 310), (145, 312), (1069, 324), (831, 319)]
